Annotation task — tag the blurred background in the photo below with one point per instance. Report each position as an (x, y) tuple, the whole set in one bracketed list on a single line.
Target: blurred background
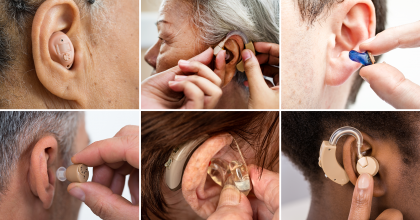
[(149, 34), (295, 197), (400, 12), (103, 125)]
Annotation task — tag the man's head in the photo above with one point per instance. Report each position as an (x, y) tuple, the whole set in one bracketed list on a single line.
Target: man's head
[(33, 146), (105, 36), (390, 137), (316, 38), (188, 27)]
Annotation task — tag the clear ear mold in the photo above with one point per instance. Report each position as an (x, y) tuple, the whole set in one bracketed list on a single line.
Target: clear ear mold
[(233, 173), (76, 173)]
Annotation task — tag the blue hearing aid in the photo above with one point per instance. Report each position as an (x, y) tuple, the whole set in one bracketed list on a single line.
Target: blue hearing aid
[(365, 58)]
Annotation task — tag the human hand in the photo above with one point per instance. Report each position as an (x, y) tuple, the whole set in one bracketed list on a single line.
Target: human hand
[(362, 202), (112, 159), (261, 95), (387, 81), (172, 89), (235, 205)]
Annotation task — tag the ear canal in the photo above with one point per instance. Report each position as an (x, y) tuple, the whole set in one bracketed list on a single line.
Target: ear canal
[(61, 49), (371, 167)]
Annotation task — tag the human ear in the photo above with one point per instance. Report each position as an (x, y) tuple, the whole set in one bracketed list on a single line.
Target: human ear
[(369, 148), (199, 190), (51, 17), (234, 47), (352, 24), (42, 170)]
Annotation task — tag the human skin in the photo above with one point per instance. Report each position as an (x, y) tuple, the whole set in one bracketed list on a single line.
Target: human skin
[(178, 40), (106, 68), (63, 206), (315, 69)]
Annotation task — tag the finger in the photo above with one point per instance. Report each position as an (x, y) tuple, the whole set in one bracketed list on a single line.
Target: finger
[(103, 202), (267, 188), (211, 91), (391, 85), (194, 95), (103, 175), (133, 184), (362, 198), (220, 68), (232, 205), (111, 150), (253, 72), (205, 58), (268, 48), (269, 70), (267, 59), (200, 69), (259, 209), (117, 184), (405, 36), (128, 130), (390, 214)]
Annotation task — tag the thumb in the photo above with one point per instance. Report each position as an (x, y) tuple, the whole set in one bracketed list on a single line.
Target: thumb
[(232, 205), (103, 202), (362, 198), (253, 72)]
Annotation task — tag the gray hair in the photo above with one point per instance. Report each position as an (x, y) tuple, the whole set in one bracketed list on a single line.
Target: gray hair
[(257, 19), (20, 130)]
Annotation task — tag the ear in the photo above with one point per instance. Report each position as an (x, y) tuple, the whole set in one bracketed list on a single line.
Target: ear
[(350, 160), (354, 23), (234, 47), (199, 190), (53, 16), (42, 170)]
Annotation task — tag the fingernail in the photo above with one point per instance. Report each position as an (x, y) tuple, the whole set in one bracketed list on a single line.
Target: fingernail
[(363, 182), (77, 193), (183, 62), (230, 196), (171, 83), (180, 78), (133, 200), (246, 55), (369, 40)]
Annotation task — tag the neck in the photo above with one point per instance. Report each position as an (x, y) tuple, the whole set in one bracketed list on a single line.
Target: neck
[(234, 97)]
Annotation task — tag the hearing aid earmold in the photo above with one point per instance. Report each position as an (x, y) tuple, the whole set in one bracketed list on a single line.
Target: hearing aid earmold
[(248, 45), (61, 49), (76, 173), (328, 161), (365, 58)]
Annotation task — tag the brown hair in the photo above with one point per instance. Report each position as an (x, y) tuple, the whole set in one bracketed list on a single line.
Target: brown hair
[(311, 10), (163, 131)]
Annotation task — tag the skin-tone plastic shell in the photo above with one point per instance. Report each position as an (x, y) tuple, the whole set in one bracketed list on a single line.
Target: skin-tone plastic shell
[(330, 165), (77, 173), (61, 49)]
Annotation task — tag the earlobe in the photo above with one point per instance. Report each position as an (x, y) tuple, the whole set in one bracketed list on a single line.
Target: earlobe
[(52, 19), (42, 170), (357, 24)]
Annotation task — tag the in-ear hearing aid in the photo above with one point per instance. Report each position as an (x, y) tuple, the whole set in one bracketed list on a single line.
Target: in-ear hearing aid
[(76, 173), (328, 162), (178, 160), (248, 45), (61, 49)]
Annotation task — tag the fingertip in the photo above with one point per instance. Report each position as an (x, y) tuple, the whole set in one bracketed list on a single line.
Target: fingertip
[(247, 54)]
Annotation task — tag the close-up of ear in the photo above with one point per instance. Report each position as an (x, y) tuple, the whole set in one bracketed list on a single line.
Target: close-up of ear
[(371, 153), (234, 47), (42, 170), (352, 24), (199, 190), (58, 49)]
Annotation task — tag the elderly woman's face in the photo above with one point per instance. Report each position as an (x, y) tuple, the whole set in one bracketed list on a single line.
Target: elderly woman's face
[(177, 39)]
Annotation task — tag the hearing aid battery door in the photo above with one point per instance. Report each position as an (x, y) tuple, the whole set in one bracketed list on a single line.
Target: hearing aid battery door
[(77, 173), (330, 165)]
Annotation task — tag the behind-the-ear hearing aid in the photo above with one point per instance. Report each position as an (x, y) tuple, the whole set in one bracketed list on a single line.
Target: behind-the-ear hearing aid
[(178, 160), (76, 173), (330, 165), (248, 45), (61, 49)]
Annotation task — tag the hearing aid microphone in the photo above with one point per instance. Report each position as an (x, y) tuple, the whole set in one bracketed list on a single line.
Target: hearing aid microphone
[(61, 49), (248, 45), (328, 162), (76, 173), (178, 160)]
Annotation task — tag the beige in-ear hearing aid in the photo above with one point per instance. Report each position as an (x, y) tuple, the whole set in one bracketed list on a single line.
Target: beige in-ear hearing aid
[(248, 45), (330, 165), (61, 49), (76, 173)]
